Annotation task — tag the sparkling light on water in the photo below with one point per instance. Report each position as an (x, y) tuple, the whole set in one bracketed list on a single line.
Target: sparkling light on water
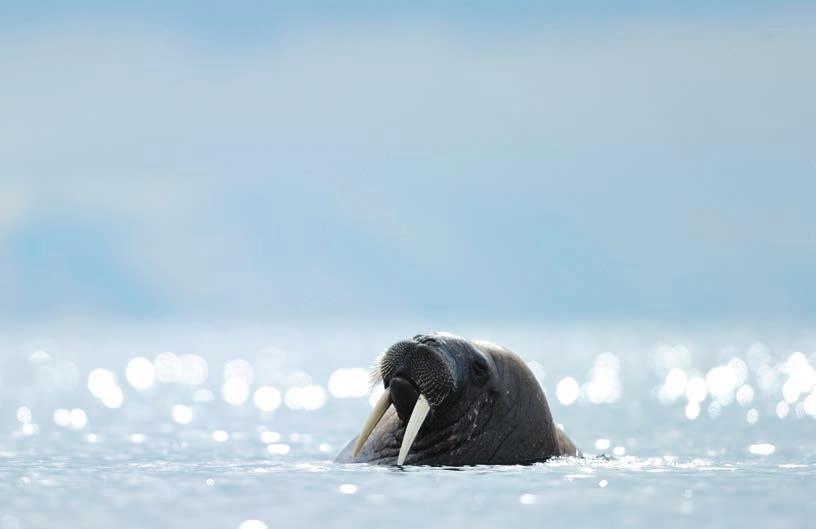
[(782, 409), (62, 417), (721, 382), (252, 524), (30, 429), (267, 398), (790, 391), (188, 369), (349, 383), (239, 369), (113, 397), (182, 414), (809, 404), (24, 414), (801, 377), (674, 386), (235, 391), (193, 370), (99, 380), (739, 368), (696, 390), (567, 391), (238, 376), (692, 410), (604, 385), (77, 419), (767, 378), (729, 394), (278, 449), (103, 385), (39, 357), (762, 449), (348, 488), (220, 436), (752, 416), (140, 373), (305, 398), (527, 499), (270, 437), (745, 395), (167, 367), (768, 389)]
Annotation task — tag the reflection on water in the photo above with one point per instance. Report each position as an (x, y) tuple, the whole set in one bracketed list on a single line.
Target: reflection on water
[(200, 428)]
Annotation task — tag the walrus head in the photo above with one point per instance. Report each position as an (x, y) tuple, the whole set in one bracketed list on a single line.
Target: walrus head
[(450, 401)]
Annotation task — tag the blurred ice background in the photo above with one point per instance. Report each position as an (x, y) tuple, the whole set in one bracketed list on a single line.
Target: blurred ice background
[(213, 217)]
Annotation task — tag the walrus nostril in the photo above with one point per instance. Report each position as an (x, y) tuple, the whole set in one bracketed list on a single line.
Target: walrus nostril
[(424, 339), (428, 367)]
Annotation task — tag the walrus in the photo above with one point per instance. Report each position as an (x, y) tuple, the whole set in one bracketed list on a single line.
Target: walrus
[(449, 401)]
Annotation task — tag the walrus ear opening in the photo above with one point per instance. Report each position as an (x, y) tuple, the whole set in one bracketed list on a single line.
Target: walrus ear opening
[(479, 367)]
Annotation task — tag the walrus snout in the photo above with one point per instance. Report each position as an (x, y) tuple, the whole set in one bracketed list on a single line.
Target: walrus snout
[(418, 374), (404, 395), (425, 364)]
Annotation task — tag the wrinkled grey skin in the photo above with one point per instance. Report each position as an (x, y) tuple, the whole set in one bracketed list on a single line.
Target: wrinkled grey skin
[(487, 407)]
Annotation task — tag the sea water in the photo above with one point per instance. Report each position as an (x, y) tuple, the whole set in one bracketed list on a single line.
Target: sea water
[(237, 427)]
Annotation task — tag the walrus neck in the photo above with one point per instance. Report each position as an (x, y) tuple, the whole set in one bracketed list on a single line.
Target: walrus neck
[(524, 397), (455, 436)]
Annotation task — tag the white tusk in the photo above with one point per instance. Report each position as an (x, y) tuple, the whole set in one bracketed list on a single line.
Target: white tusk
[(376, 414), (421, 409)]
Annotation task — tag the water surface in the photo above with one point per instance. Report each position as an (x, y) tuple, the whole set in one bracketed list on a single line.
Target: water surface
[(237, 427)]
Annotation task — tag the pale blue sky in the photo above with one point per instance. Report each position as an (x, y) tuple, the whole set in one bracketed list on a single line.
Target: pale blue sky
[(655, 161)]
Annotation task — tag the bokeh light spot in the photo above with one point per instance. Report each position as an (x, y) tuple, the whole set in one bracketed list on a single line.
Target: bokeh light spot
[(62, 417), (527, 499), (182, 414), (24, 414), (252, 524), (762, 449), (348, 488), (77, 419), (267, 398), (567, 391), (220, 436), (270, 437), (235, 391), (278, 449), (348, 383), (140, 373), (305, 398), (692, 410)]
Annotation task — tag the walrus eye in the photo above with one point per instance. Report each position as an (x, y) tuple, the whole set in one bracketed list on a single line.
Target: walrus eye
[(479, 367)]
